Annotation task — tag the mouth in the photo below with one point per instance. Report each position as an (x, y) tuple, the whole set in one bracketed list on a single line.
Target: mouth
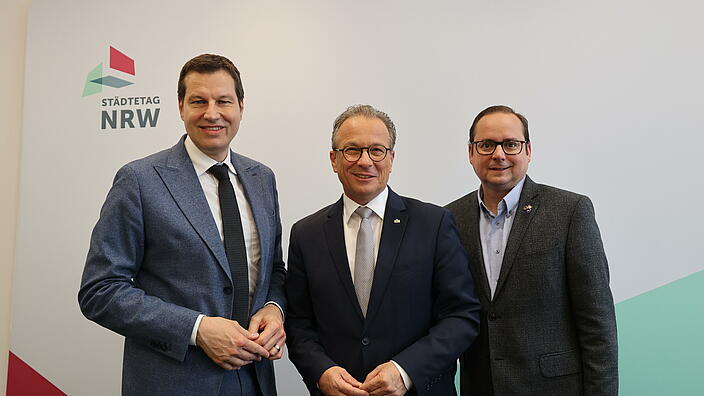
[(499, 168), (211, 128), (364, 176)]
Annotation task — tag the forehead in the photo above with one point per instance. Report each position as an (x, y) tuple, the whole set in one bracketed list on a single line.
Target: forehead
[(362, 130), (219, 81), (498, 126)]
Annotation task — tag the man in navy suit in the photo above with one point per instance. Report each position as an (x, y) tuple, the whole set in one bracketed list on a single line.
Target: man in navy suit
[(199, 316), (381, 301)]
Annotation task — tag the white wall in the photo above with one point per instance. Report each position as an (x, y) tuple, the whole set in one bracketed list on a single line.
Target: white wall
[(13, 17)]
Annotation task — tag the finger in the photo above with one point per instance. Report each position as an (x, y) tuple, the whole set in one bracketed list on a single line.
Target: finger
[(254, 348), (237, 363), (348, 378), (372, 374), (244, 354), (272, 331), (254, 324), (277, 353), (372, 384), (226, 365), (348, 389), (273, 354), (278, 338)]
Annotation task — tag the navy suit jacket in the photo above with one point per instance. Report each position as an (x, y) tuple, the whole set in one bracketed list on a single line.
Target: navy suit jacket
[(422, 309), (156, 262)]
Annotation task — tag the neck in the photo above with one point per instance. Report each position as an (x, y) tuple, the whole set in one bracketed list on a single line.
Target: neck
[(491, 198)]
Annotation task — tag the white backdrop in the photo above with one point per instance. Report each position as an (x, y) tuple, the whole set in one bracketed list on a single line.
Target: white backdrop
[(612, 90)]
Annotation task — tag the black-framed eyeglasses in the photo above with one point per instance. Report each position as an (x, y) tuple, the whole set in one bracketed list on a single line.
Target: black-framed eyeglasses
[(376, 152), (510, 147)]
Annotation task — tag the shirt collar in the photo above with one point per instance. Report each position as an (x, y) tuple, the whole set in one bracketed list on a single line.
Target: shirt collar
[(510, 200), (377, 205), (201, 161)]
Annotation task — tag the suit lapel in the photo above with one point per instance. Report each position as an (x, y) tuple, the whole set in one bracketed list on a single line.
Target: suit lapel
[(335, 237), (468, 223), (525, 211), (395, 220), (181, 180)]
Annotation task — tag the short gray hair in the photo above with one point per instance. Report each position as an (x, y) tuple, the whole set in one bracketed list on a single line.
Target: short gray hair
[(366, 111)]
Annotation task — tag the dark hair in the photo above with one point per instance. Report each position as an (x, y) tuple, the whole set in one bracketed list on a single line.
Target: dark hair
[(209, 63), (499, 109), (365, 111)]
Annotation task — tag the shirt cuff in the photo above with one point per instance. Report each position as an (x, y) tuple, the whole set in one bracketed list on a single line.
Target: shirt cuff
[(406, 379), (194, 333), (277, 306)]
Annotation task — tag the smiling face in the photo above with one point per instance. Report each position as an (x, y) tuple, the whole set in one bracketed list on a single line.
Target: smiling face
[(363, 179), (211, 112), (499, 172)]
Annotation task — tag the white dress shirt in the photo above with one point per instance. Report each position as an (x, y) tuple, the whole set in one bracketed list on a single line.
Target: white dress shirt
[(350, 223), (209, 183)]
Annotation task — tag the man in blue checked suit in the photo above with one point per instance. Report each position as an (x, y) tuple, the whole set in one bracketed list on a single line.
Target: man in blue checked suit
[(185, 260)]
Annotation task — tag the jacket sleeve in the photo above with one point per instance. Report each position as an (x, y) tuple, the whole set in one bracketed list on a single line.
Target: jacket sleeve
[(277, 291), (108, 294), (455, 312), (592, 302), (305, 350)]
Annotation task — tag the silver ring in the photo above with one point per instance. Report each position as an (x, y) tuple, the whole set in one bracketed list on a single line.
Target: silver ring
[(278, 348)]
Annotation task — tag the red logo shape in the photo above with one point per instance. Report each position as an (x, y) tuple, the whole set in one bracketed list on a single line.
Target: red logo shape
[(121, 62), (23, 380)]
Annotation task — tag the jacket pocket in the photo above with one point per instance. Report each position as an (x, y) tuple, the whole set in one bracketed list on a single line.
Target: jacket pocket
[(560, 363)]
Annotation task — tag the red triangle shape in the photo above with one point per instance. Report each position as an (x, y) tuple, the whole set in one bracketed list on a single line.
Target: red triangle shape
[(121, 62), (23, 380)]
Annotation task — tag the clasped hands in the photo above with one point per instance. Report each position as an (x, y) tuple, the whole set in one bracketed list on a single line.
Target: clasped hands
[(384, 380), (231, 346)]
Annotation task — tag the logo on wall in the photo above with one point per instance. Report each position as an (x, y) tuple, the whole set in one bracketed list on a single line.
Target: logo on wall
[(121, 112)]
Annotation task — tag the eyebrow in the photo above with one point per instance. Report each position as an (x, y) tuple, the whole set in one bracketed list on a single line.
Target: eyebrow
[(225, 96)]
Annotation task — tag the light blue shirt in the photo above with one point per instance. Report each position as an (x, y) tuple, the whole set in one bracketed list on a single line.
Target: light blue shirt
[(494, 230)]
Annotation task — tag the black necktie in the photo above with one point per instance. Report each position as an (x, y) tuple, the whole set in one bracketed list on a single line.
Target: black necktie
[(234, 244)]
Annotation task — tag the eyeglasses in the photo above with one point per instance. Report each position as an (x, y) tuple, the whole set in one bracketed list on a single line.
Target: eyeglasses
[(376, 152), (510, 147)]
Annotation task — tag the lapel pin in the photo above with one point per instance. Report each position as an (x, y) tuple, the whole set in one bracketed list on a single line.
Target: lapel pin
[(528, 208), (397, 221)]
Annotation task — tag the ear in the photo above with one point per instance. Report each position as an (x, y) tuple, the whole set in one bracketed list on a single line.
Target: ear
[(470, 152), (180, 108), (241, 108), (529, 151), (393, 155), (333, 160)]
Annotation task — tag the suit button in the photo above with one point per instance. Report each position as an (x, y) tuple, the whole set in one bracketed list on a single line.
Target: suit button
[(365, 341), (493, 316), (227, 290)]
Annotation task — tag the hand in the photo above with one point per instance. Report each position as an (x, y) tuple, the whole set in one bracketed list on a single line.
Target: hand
[(269, 324), (336, 381), (227, 344), (384, 380)]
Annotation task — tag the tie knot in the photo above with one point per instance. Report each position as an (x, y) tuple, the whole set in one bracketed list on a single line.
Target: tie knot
[(219, 171), (363, 212)]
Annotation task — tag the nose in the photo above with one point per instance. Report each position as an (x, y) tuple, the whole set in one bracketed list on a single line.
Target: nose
[(499, 153), (212, 112), (366, 159)]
